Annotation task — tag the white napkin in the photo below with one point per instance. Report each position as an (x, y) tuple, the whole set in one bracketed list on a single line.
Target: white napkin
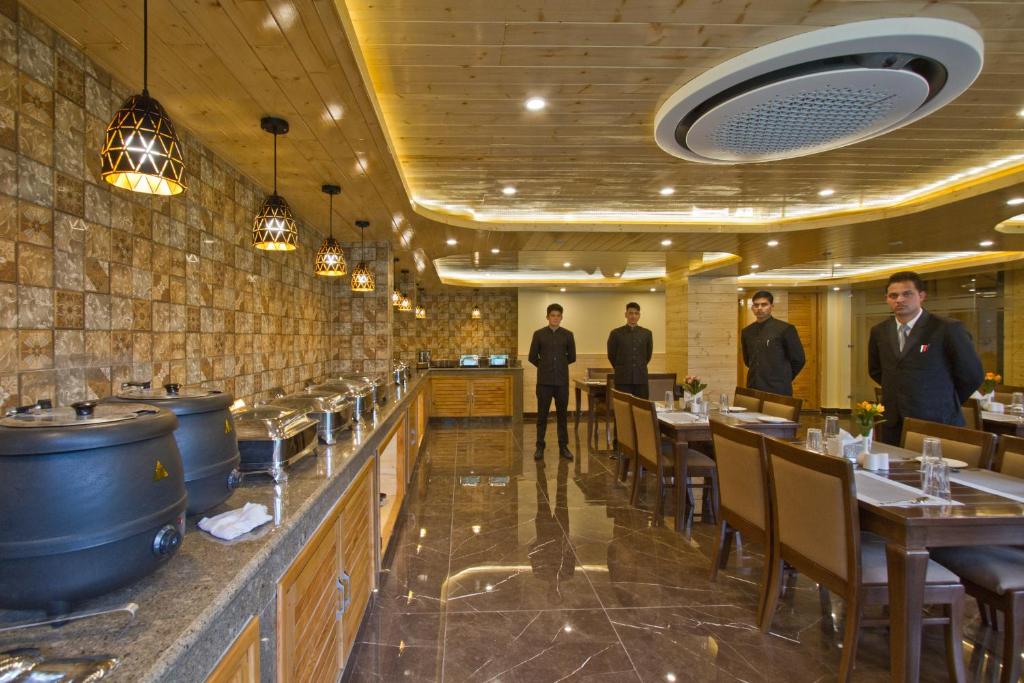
[(994, 407), (234, 523)]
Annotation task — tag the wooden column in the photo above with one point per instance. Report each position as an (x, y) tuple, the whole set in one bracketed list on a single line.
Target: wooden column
[(712, 337), (677, 320)]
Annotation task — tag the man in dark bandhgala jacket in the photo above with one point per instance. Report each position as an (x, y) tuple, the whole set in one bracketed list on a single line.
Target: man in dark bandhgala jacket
[(629, 351), (926, 364), (552, 350), (772, 350)]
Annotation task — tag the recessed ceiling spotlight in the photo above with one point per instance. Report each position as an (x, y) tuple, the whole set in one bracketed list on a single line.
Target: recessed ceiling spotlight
[(835, 289), (616, 274), (561, 289), (1021, 113), (451, 241), (666, 191), (566, 264), (971, 289), (740, 289), (827, 192), (508, 190), (773, 243), (985, 243), (495, 250), (666, 243), (837, 265), (536, 103), (654, 289), (1016, 201), (754, 266)]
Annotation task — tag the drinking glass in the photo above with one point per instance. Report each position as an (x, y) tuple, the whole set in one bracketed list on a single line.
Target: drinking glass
[(670, 402), (1017, 405), (931, 451), (703, 409), (723, 403), (832, 441), (814, 441), (935, 479)]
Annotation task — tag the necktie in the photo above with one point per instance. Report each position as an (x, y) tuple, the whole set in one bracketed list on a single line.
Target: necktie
[(904, 333)]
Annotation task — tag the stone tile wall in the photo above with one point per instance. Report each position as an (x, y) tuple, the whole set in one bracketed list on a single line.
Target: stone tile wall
[(449, 331), (99, 285)]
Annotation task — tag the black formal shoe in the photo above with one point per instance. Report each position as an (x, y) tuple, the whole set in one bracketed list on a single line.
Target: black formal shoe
[(565, 453), (538, 454)]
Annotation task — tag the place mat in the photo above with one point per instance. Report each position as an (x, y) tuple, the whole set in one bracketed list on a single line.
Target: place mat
[(991, 482), (877, 490), (999, 417), (678, 417)]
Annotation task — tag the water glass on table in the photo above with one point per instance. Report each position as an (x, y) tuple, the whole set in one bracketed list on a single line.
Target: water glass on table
[(935, 479), (670, 401), (1017, 406), (723, 403), (931, 451), (832, 442), (703, 410), (814, 440)]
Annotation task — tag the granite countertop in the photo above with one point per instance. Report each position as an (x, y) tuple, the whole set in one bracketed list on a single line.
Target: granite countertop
[(476, 369), (193, 607)]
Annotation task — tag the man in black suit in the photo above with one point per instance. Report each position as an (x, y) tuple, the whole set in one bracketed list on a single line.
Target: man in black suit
[(772, 350), (552, 350), (926, 364), (629, 351)]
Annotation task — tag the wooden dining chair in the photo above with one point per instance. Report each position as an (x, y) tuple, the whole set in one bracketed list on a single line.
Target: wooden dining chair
[(602, 410), (743, 497), (625, 432), (656, 455), (974, 447), (747, 398), (1004, 393), (781, 406), (817, 530), (971, 409), (599, 373), (1010, 456), (994, 576), (660, 382)]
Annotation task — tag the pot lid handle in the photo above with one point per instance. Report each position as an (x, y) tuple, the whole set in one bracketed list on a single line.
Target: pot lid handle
[(136, 385), (84, 408), (172, 388)]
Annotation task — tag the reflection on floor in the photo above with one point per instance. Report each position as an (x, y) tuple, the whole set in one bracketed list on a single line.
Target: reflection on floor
[(508, 570)]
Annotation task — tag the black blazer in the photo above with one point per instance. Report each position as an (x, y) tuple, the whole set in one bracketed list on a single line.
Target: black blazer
[(629, 352), (937, 371), (552, 353), (773, 355)]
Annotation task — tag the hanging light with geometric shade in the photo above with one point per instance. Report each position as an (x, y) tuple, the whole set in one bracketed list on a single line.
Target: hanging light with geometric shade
[(475, 313), (362, 277), (421, 311), (330, 258), (396, 295), (405, 302), (141, 151), (274, 228)]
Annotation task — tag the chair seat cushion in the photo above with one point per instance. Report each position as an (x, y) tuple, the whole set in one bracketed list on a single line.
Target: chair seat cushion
[(996, 568), (694, 460), (875, 573)]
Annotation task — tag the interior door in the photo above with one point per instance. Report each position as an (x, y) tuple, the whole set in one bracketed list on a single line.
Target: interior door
[(803, 314)]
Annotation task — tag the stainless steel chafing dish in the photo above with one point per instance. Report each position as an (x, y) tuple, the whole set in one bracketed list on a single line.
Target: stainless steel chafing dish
[(378, 386), (271, 437), (359, 392), (400, 372), (331, 409)]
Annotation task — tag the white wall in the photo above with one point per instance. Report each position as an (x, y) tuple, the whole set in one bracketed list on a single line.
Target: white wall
[(590, 316)]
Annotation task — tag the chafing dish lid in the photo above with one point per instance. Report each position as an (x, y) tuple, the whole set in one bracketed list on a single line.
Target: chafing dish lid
[(268, 420), (76, 415), (176, 398), (347, 387), (308, 403)]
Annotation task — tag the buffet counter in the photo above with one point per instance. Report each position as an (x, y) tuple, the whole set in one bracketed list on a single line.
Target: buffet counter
[(214, 611)]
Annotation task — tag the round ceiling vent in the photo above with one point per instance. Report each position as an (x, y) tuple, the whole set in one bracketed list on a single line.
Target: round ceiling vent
[(819, 91)]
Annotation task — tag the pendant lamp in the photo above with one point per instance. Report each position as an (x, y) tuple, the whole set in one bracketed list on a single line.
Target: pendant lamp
[(330, 258), (405, 303), (362, 276), (274, 227), (421, 310), (141, 151), (396, 295), (475, 313)]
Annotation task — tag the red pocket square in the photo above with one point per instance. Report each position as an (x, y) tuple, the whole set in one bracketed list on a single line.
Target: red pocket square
[(924, 347)]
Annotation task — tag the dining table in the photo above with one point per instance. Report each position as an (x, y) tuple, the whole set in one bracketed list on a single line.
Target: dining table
[(985, 508), (1001, 423), (682, 428)]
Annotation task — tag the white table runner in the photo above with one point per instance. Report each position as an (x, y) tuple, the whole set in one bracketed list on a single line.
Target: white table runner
[(877, 490), (991, 482)]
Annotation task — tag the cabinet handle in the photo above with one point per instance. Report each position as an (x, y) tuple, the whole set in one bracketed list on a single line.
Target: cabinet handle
[(347, 600), (344, 597)]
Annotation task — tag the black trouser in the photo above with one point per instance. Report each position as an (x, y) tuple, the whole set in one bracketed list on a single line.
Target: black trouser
[(546, 392), (638, 390)]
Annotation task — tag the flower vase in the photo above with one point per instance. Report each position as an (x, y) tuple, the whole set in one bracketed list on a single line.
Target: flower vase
[(693, 400), (869, 438)]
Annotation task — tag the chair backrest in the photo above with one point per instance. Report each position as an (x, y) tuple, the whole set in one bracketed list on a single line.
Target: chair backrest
[(1010, 456), (1004, 393), (781, 406), (747, 398), (972, 414), (660, 382), (814, 513), (598, 373), (974, 447), (878, 394), (741, 458), (625, 432), (648, 434)]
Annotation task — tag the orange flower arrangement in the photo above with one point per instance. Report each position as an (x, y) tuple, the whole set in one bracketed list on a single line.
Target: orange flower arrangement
[(865, 414), (988, 384)]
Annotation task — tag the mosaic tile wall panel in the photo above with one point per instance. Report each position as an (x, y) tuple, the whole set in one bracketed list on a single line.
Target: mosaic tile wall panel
[(448, 330), (99, 285)]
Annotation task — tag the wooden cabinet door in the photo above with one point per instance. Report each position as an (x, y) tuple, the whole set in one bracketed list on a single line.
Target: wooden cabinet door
[(449, 397), (241, 663), (357, 553), (309, 645), (491, 396)]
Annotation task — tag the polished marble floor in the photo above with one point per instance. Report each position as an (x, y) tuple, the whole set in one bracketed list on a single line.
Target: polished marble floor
[(507, 570)]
